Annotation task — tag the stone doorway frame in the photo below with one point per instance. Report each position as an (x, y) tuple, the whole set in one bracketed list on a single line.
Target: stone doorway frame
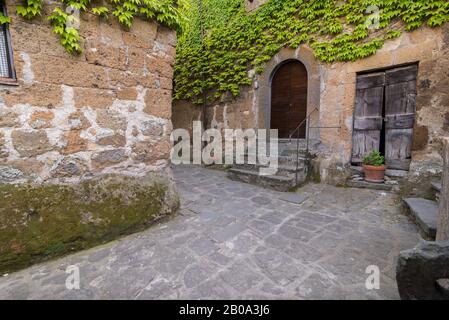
[(304, 55)]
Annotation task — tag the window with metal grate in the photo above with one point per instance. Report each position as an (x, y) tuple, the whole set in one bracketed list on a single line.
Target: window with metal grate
[(6, 62)]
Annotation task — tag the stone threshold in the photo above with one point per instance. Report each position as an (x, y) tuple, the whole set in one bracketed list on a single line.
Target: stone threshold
[(362, 184)]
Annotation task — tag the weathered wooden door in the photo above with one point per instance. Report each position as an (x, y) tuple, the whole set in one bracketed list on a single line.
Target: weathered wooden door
[(289, 99), (400, 110), (368, 115), (384, 115)]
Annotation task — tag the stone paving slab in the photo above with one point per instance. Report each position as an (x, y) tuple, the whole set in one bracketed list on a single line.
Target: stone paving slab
[(237, 241), (294, 198)]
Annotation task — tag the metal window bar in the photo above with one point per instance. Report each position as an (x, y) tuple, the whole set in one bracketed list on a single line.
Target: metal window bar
[(306, 122), (6, 54)]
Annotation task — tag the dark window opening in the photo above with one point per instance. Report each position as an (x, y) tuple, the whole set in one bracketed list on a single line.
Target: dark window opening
[(6, 60)]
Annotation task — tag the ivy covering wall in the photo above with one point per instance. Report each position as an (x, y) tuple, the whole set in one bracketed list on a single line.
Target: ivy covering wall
[(236, 42), (166, 12)]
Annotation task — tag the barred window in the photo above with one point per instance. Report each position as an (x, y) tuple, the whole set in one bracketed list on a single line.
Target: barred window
[(6, 62)]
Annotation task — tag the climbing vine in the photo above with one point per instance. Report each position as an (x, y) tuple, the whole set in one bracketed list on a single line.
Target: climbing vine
[(166, 12), (237, 42)]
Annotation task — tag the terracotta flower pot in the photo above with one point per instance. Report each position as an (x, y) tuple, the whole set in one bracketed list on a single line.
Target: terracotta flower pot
[(375, 174)]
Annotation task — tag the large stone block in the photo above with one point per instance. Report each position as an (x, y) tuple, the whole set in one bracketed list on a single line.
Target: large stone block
[(156, 65), (103, 159), (94, 98), (46, 221), (78, 121), (158, 103), (105, 55), (136, 59), (73, 142), (3, 152), (110, 33), (41, 119), (150, 152), (39, 95), (21, 33), (127, 94), (69, 71), (141, 35), (8, 174), (70, 167), (30, 143), (116, 140), (111, 119), (8, 118), (29, 166), (152, 128), (122, 79), (419, 269)]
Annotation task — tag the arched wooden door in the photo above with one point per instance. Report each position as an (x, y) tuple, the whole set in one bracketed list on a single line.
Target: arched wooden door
[(289, 99)]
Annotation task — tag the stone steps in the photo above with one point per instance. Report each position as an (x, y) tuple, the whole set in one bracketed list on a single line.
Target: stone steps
[(425, 213), (290, 165), (292, 162), (283, 170), (391, 184), (437, 186), (275, 182), (362, 184)]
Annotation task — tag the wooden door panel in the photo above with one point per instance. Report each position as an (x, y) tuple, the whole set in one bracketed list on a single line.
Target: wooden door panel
[(400, 110), (400, 121), (400, 98), (289, 98), (398, 148), (402, 74), (367, 115), (368, 123), (363, 143)]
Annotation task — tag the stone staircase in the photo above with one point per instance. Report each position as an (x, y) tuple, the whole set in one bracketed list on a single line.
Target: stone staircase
[(285, 178), (425, 212)]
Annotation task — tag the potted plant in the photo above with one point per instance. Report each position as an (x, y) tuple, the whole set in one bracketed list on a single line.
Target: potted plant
[(374, 167)]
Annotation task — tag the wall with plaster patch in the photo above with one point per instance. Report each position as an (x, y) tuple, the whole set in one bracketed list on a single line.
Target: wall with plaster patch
[(107, 110), (333, 92)]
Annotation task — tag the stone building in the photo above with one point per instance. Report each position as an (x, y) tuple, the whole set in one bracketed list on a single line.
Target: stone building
[(418, 58), (106, 110), (84, 139)]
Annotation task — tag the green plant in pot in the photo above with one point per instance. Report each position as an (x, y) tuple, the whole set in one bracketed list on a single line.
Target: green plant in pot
[(374, 167)]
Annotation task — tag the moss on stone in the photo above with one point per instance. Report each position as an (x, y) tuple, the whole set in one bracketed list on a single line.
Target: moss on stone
[(315, 176), (40, 222)]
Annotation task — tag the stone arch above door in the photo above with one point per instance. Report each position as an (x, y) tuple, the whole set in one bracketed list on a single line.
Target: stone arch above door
[(305, 56)]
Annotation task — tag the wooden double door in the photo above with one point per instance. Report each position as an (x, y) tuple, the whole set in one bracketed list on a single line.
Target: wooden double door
[(289, 99), (384, 116)]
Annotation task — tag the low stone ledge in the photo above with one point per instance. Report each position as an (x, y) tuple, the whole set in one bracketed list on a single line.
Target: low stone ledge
[(419, 270), (41, 222)]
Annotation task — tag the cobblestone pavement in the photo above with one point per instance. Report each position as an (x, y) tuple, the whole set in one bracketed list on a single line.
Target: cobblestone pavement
[(236, 241)]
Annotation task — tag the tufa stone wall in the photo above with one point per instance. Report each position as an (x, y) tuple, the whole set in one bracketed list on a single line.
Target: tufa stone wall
[(332, 90), (429, 48), (107, 110)]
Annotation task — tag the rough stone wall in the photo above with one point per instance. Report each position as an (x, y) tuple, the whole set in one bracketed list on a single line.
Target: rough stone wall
[(240, 113), (106, 110), (443, 218), (336, 102), (428, 47)]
